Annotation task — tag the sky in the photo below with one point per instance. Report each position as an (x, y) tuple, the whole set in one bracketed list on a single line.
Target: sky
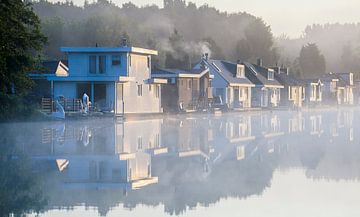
[(288, 17)]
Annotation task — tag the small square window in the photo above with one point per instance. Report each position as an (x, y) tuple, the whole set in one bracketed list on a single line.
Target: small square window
[(116, 60)]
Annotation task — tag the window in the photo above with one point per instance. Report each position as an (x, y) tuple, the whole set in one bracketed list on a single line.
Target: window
[(270, 74), (313, 91), (92, 64), (351, 79), (129, 60), (240, 71), (116, 60), (102, 64), (139, 89), (189, 83), (139, 141)]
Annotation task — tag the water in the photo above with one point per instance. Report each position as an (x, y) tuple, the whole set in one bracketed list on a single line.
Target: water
[(246, 164)]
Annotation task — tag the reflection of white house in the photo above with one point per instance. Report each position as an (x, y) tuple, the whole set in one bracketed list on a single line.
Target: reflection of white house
[(130, 140), (238, 129), (116, 79), (316, 127), (270, 125)]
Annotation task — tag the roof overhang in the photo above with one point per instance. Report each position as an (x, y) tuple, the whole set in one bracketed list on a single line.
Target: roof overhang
[(273, 86), (126, 79), (241, 85), (157, 81), (182, 75), (109, 50)]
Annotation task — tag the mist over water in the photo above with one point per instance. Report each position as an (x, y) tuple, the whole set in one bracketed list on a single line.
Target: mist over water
[(279, 163)]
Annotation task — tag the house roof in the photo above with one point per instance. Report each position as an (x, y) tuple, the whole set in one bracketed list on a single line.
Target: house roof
[(289, 80), (109, 50), (341, 82), (312, 81), (170, 73), (227, 70), (258, 75), (51, 66)]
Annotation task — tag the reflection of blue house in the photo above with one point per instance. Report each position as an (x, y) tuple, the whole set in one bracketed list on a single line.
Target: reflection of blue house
[(115, 78)]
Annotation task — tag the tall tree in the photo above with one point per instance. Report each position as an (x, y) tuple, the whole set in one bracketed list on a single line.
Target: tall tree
[(257, 43), (311, 61), (20, 38)]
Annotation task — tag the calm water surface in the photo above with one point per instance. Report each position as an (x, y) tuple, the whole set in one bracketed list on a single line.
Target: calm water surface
[(247, 164)]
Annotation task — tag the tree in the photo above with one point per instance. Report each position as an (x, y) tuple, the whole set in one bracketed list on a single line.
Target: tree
[(20, 39), (350, 60), (311, 61), (258, 43)]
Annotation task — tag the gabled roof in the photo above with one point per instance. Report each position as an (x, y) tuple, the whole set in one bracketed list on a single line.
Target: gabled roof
[(172, 73), (341, 82), (289, 80), (227, 70), (312, 81), (258, 75)]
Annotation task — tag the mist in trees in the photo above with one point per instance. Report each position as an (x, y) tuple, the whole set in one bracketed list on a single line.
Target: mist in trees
[(198, 29), (223, 35), (339, 43)]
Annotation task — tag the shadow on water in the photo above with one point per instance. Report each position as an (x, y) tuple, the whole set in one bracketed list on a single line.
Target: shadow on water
[(179, 162)]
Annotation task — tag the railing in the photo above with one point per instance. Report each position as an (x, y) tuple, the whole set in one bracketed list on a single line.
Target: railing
[(69, 105)]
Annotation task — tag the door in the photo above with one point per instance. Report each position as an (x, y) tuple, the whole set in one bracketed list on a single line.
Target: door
[(120, 99), (236, 98)]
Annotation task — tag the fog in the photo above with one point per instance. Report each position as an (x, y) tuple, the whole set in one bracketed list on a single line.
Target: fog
[(180, 164)]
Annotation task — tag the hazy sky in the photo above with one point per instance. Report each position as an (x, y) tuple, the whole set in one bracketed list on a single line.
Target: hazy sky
[(285, 16)]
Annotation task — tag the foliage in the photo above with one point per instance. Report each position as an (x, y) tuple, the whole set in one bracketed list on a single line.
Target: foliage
[(200, 29), (20, 39), (311, 61), (258, 43)]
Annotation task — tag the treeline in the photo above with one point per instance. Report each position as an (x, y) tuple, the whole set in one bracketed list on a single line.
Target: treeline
[(181, 31), (338, 43)]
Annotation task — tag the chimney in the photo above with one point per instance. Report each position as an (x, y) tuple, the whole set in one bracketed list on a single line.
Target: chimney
[(206, 55), (285, 70), (124, 42), (259, 62), (202, 65), (277, 69)]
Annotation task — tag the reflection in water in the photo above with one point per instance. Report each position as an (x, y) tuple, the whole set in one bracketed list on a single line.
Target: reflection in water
[(180, 161)]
